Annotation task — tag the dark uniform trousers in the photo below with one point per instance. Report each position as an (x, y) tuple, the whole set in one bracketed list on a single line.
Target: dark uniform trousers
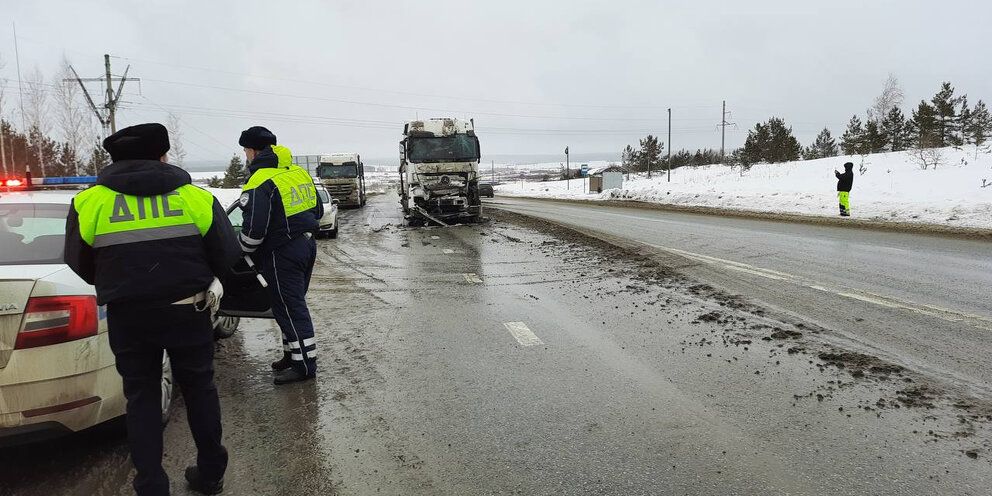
[(287, 269), (138, 337)]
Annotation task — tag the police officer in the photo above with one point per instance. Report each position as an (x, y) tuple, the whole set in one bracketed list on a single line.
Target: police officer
[(153, 243), (281, 215)]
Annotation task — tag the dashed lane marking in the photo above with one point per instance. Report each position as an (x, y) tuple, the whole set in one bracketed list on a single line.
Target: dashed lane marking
[(946, 314), (447, 251), (522, 333), (472, 278)]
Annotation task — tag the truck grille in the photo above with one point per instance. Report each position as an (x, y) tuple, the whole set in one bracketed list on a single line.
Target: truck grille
[(339, 189)]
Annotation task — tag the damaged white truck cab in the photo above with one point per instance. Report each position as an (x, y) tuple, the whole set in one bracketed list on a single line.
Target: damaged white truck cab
[(439, 171)]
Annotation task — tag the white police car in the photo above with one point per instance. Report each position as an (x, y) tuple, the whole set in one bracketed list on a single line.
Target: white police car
[(57, 372)]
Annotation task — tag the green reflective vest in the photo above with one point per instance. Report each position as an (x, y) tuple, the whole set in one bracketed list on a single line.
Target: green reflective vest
[(295, 186), (108, 218)]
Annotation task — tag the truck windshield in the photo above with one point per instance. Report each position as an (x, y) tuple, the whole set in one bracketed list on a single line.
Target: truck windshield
[(32, 233), (458, 148), (332, 171)]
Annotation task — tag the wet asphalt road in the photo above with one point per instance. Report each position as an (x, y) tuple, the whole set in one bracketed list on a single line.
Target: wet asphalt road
[(516, 357), (921, 300)]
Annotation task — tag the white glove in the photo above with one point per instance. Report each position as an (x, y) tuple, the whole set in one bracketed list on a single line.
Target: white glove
[(214, 294)]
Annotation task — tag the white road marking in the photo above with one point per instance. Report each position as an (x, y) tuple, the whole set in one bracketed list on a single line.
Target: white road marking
[(472, 278), (946, 314), (522, 333), (447, 251)]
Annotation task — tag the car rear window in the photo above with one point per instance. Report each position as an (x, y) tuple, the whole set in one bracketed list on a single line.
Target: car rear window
[(32, 233)]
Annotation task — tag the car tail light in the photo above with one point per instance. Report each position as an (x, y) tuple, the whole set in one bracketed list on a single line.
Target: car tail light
[(57, 319)]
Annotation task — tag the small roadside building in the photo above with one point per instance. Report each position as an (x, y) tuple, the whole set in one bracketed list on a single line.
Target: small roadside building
[(604, 178)]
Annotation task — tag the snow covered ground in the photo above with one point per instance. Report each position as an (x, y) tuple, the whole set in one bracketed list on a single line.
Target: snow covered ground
[(226, 196), (892, 188)]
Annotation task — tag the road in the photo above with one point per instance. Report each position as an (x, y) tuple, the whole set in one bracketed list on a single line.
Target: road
[(520, 357), (926, 298)]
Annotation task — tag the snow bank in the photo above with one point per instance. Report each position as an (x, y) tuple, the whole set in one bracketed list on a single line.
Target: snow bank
[(892, 188), (226, 196)]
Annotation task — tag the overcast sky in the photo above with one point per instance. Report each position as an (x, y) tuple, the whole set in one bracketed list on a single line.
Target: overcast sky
[(536, 75)]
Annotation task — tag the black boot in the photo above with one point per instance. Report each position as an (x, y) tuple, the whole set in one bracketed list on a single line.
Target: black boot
[(292, 375), (283, 363), (201, 485)]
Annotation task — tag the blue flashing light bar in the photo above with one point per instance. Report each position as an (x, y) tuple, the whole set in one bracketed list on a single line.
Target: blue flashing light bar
[(54, 181)]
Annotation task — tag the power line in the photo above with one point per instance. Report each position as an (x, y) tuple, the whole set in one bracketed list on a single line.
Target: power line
[(186, 123), (403, 107), (407, 93)]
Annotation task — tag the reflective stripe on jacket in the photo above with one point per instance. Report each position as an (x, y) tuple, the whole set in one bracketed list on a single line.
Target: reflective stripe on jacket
[(148, 249)]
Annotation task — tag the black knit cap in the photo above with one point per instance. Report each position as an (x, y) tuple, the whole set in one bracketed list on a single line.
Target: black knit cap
[(257, 138), (144, 141)]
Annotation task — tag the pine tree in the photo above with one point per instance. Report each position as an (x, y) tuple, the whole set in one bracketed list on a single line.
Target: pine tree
[(874, 138), (649, 156), (980, 124), (236, 174), (895, 129), (852, 141), (628, 159), (823, 146), (925, 126), (770, 142), (215, 182), (963, 123), (99, 158), (944, 104)]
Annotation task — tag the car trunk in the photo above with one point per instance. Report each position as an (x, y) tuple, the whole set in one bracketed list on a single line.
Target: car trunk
[(16, 284), (14, 296)]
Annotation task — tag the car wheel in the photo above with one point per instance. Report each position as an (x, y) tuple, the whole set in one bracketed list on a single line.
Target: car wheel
[(224, 327), (168, 388)]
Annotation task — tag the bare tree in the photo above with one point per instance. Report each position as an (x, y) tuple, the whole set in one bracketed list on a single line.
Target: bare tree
[(3, 147), (891, 97), (38, 119), (176, 149), (926, 155), (73, 118)]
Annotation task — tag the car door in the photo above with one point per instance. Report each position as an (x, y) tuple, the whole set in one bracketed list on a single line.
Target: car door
[(244, 295)]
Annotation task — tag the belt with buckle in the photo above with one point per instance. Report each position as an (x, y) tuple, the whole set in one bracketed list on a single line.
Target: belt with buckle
[(192, 300)]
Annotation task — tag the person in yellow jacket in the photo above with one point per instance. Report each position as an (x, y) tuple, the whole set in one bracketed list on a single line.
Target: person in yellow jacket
[(153, 244), (281, 213)]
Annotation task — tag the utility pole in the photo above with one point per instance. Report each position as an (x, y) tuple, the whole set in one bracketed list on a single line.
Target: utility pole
[(723, 130), (109, 119), (493, 180), (111, 103), (669, 145), (568, 172)]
